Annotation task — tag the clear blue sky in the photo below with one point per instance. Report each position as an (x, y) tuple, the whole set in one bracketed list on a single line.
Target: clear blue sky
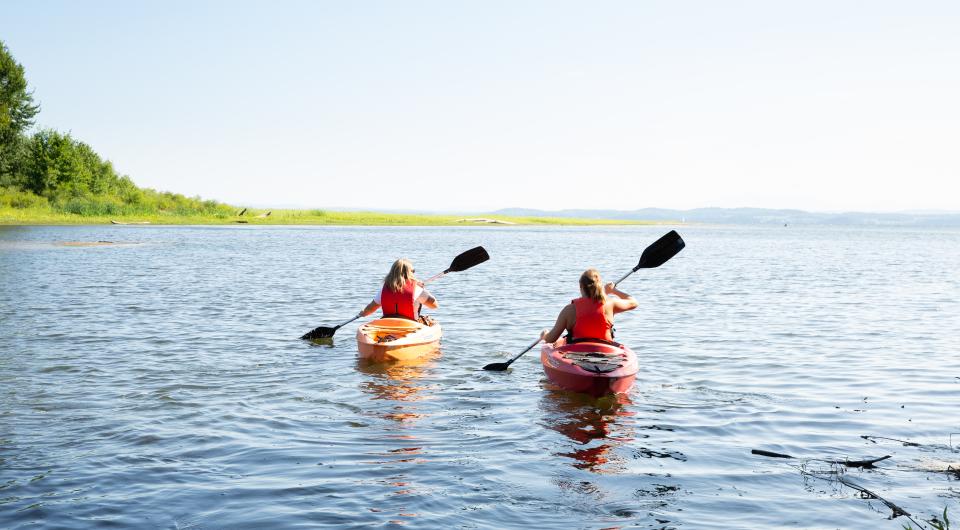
[(477, 105)]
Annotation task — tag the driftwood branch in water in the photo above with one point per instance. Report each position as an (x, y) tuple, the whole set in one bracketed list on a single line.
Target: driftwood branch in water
[(771, 454), (904, 442), (866, 494), (897, 511), (849, 463)]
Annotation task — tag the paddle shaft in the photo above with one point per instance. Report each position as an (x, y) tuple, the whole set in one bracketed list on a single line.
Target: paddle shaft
[(625, 276), (499, 367), (656, 254), (424, 282), (419, 306), (530, 347), (462, 262), (435, 277), (347, 322), (330, 331)]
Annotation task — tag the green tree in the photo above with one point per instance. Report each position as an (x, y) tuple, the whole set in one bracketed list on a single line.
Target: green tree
[(13, 156), (50, 169), (16, 114), (53, 164)]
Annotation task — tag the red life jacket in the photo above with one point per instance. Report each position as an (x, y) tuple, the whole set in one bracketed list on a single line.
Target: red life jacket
[(591, 322), (399, 304)]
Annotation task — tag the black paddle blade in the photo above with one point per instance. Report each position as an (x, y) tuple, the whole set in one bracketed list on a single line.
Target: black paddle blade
[(322, 332), (661, 250), (497, 367), (470, 258)]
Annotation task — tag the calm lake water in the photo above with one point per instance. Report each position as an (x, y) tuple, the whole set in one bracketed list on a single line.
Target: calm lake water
[(160, 383)]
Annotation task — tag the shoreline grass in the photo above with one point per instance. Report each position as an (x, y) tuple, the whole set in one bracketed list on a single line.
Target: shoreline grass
[(49, 216)]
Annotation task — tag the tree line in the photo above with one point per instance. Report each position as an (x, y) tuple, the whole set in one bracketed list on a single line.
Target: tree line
[(48, 169)]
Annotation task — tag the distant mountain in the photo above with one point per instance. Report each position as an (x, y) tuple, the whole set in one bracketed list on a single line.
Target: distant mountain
[(752, 216)]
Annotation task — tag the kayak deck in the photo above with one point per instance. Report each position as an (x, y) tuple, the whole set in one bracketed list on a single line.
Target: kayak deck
[(591, 368), (397, 339)]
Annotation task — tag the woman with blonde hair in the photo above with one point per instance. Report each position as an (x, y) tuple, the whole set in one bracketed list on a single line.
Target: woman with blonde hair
[(590, 317), (402, 294)]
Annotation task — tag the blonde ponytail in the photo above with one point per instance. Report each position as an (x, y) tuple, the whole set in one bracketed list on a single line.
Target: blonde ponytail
[(591, 286)]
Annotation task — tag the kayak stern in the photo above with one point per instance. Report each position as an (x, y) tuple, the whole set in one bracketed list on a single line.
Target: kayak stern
[(397, 339), (590, 368)]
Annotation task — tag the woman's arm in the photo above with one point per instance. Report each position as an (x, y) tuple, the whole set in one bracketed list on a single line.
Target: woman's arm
[(428, 300), (371, 307), (564, 322), (625, 302)]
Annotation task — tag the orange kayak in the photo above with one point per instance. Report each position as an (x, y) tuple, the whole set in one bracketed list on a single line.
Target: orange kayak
[(591, 368), (397, 339)]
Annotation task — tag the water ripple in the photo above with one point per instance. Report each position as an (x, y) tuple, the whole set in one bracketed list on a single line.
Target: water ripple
[(160, 384)]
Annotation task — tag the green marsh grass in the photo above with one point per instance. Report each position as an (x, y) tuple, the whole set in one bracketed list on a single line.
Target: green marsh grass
[(48, 215)]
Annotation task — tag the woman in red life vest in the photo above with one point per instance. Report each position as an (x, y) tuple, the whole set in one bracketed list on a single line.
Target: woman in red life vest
[(591, 315), (402, 294)]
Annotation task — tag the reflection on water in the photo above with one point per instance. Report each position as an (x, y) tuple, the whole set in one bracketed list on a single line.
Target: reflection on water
[(399, 381), (399, 387), (609, 474), (598, 427), (163, 384)]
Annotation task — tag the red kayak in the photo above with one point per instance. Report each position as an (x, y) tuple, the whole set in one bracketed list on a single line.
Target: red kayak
[(593, 368)]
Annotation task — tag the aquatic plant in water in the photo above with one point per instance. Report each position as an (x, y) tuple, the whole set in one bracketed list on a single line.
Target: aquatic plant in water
[(935, 523)]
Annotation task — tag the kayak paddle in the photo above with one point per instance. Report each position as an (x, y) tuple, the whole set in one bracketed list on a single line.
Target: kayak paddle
[(464, 261), (499, 367), (324, 332), (470, 258), (658, 253)]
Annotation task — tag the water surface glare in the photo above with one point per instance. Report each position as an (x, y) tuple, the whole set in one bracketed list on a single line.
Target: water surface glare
[(160, 383)]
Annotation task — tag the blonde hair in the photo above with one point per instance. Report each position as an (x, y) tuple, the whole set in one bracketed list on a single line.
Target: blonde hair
[(591, 286), (400, 273)]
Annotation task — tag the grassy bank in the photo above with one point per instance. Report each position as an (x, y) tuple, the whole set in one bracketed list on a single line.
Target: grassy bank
[(50, 216)]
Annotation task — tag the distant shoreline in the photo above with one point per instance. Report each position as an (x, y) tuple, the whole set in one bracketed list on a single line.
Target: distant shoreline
[(755, 216), (29, 216)]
